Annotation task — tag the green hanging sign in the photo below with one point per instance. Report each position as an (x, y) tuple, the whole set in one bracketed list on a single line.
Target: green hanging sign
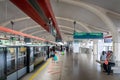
[(84, 35)]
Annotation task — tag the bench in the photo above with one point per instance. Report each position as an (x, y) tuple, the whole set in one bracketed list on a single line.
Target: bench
[(116, 69)]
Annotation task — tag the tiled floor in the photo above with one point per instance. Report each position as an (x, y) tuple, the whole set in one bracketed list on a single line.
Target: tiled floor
[(84, 67), (51, 72), (75, 67)]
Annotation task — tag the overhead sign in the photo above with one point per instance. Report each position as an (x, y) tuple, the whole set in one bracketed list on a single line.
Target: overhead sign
[(84, 35), (27, 40), (107, 40)]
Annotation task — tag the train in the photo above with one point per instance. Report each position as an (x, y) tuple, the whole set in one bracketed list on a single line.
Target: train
[(16, 61)]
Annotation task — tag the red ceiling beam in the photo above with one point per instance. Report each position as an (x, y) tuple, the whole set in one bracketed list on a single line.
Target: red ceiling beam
[(27, 8), (46, 6), (7, 30), (30, 11)]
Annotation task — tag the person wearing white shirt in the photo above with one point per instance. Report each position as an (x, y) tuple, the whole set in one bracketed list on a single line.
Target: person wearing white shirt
[(103, 56)]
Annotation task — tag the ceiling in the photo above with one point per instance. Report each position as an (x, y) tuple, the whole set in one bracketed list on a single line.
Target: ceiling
[(113, 5), (66, 12)]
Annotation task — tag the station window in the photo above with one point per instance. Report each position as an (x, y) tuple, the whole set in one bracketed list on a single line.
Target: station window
[(22, 59), (11, 60)]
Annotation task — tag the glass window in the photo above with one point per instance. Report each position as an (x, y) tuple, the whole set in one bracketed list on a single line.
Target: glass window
[(11, 60), (31, 55), (22, 59), (2, 64), (42, 51), (37, 54)]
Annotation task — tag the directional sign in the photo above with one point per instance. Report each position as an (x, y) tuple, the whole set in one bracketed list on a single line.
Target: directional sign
[(84, 35)]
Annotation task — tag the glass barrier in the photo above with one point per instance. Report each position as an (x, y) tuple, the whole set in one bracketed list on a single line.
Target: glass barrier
[(2, 64), (31, 56), (11, 60), (22, 57)]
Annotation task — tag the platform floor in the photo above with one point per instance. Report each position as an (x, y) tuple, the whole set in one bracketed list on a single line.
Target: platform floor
[(74, 67)]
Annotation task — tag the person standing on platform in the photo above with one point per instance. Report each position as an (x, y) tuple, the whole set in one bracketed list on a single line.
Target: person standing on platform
[(55, 58), (104, 59), (103, 56), (67, 49)]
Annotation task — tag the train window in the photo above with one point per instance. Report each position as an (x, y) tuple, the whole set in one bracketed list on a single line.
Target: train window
[(22, 59), (11, 60), (37, 49), (31, 55), (36, 55), (41, 53), (2, 64)]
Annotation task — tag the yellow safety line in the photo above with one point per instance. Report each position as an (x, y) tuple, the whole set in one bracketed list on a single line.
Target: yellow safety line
[(39, 70)]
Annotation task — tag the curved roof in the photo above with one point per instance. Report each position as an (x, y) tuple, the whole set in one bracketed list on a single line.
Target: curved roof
[(90, 16)]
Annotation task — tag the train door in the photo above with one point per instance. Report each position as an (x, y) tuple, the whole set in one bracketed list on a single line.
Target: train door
[(38, 56), (22, 61), (46, 52), (2, 64), (30, 59), (11, 57)]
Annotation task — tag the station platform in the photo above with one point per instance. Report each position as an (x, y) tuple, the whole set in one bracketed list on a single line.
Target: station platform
[(79, 66)]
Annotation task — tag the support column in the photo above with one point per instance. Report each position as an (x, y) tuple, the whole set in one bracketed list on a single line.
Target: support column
[(116, 49), (98, 47), (95, 47)]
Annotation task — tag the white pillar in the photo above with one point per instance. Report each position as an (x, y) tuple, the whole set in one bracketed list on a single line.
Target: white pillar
[(76, 47), (116, 49), (95, 46), (98, 47)]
